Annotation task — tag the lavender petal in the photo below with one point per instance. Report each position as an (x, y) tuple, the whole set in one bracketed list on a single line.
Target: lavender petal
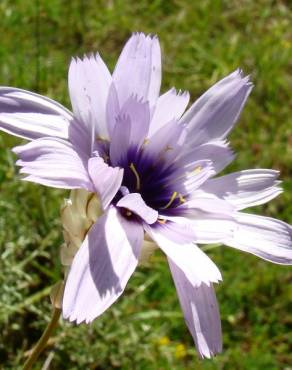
[(201, 312), (218, 152), (172, 239), (214, 114), (170, 105), (245, 189), (53, 162), (32, 116), (107, 180), (138, 70), (102, 267), (89, 81), (265, 237), (136, 204)]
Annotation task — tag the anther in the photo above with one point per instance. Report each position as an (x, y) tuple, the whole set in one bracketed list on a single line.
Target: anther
[(174, 195), (105, 157), (161, 221), (100, 138), (128, 213), (167, 148), (198, 169), (181, 198), (138, 182)]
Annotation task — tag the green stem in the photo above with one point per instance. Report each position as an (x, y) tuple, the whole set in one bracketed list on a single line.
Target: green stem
[(41, 344)]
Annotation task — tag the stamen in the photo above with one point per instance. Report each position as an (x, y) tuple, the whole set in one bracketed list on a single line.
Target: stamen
[(198, 169), (105, 157), (174, 194), (161, 221), (168, 147), (146, 141), (128, 213), (138, 182), (181, 198), (100, 138)]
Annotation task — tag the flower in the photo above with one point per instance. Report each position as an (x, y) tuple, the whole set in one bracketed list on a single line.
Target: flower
[(154, 170)]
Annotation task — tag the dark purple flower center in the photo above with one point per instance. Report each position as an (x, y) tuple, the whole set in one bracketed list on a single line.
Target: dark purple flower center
[(150, 177)]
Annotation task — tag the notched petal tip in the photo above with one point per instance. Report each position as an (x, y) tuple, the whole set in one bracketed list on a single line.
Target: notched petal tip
[(245, 79), (138, 34)]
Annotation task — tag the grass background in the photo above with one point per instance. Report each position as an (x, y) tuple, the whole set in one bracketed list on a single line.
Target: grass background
[(201, 41)]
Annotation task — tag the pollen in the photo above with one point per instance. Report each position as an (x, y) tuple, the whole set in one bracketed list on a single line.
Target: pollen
[(161, 221), (167, 148), (171, 200), (100, 138), (181, 198), (105, 157), (198, 169), (138, 181), (128, 213)]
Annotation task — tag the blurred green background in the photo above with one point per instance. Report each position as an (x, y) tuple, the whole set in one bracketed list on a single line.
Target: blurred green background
[(202, 41)]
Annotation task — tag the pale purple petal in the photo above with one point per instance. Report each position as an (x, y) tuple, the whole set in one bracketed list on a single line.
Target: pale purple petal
[(201, 312), (214, 114), (138, 70), (139, 114), (107, 180), (112, 108), (264, 237), (186, 182), (176, 242), (155, 74), (130, 130), (53, 162), (102, 267), (120, 139), (170, 106), (211, 204), (166, 143), (207, 228), (89, 81), (245, 189), (218, 152), (32, 116), (136, 204)]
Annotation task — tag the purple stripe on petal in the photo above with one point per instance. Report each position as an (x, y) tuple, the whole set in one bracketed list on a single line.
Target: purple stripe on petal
[(102, 267), (200, 308), (136, 204)]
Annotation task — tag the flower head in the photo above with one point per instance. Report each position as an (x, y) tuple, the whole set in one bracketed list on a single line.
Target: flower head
[(154, 170)]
